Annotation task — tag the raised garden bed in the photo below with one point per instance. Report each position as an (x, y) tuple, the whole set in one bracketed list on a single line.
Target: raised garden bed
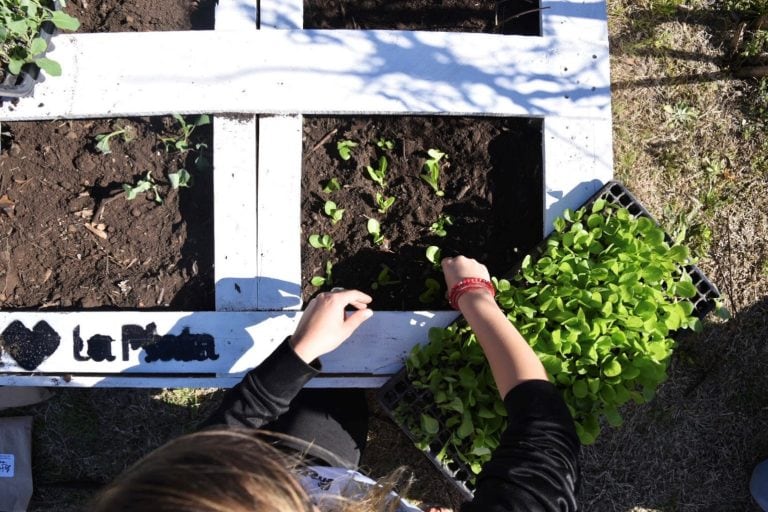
[(493, 193), (143, 15), (71, 238)]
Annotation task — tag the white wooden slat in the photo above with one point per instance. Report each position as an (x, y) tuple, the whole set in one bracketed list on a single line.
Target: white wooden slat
[(237, 15), (578, 159), (279, 220), (317, 71), (573, 20), (241, 340), (234, 188), (281, 14)]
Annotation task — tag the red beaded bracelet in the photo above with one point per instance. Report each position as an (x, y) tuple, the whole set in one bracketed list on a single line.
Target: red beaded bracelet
[(466, 284)]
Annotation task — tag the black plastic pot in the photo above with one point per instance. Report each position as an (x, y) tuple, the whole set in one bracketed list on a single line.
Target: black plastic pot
[(398, 394), (21, 85)]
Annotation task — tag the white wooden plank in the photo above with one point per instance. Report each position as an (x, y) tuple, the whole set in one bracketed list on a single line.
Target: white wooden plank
[(281, 14), (226, 345), (316, 71), (84, 381), (574, 20), (279, 219), (237, 15), (234, 187), (578, 160)]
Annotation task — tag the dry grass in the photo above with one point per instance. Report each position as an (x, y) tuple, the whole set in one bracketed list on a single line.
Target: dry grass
[(700, 164)]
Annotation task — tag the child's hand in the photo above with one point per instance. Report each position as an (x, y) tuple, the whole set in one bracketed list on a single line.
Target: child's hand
[(461, 267), (325, 325)]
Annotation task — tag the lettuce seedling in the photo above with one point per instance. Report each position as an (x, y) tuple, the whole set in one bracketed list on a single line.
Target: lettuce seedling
[(374, 229), (438, 227), (431, 173), (434, 256), (344, 147), (128, 133), (180, 141), (181, 178), (321, 242), (432, 291), (143, 185), (379, 173), (333, 185), (332, 211), (385, 144), (327, 279), (384, 203), (385, 278)]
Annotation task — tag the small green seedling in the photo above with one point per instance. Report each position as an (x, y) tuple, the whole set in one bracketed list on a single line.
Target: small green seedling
[(431, 292), (180, 142), (333, 185), (180, 178), (431, 174), (327, 279), (321, 242), (385, 144), (434, 256), (379, 173), (143, 185), (384, 203), (439, 226), (332, 211), (344, 147), (385, 278), (374, 229), (128, 133)]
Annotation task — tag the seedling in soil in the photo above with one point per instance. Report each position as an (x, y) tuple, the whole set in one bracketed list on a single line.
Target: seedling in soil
[(19, 34), (385, 144), (374, 229), (344, 147), (434, 255), (333, 185), (321, 242), (332, 211), (385, 278), (180, 142), (431, 173), (379, 173), (432, 291), (384, 203), (181, 178), (143, 185), (327, 279), (102, 140), (438, 227)]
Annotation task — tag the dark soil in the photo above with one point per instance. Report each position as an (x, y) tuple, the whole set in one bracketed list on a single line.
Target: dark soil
[(142, 15), (52, 184), (493, 191), (520, 17)]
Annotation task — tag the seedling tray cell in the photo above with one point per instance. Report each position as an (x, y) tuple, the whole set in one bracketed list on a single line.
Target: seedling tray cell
[(398, 394)]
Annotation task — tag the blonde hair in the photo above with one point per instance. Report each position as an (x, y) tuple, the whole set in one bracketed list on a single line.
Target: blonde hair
[(227, 470)]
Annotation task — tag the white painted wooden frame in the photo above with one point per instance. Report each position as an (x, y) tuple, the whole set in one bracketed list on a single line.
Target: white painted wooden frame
[(273, 75)]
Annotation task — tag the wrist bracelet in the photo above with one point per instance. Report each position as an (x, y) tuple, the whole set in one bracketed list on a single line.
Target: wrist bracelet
[(466, 284)]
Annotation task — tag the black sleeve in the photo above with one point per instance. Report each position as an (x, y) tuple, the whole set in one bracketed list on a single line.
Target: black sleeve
[(535, 467), (265, 392)]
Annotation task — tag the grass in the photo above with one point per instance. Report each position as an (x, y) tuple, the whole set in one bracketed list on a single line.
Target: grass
[(690, 141)]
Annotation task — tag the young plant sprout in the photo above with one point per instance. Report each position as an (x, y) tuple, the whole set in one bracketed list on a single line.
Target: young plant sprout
[(321, 242), (385, 278), (434, 256), (327, 279), (128, 133), (332, 211), (180, 141), (374, 229), (333, 185), (431, 173), (385, 144), (143, 185), (344, 147), (431, 292), (181, 178), (379, 173), (439, 226), (384, 203)]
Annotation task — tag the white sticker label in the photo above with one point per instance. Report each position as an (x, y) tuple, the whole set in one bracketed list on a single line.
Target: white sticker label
[(6, 465)]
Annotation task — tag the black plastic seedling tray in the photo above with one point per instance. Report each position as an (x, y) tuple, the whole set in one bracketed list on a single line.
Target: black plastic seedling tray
[(399, 394)]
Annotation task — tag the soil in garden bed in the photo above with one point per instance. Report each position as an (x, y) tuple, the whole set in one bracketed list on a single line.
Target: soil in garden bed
[(142, 15), (138, 254), (520, 17), (493, 185)]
